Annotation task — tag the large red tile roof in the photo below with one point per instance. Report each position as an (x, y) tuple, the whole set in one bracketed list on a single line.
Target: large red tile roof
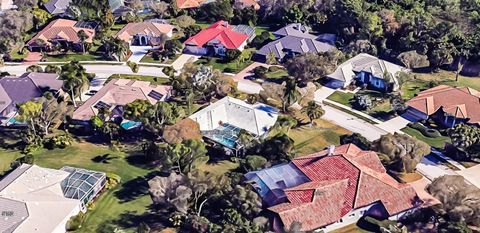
[(461, 102), (64, 29), (185, 4), (221, 31), (347, 179)]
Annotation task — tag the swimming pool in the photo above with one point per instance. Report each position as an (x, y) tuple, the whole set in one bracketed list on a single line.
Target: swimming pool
[(130, 124), (226, 135)]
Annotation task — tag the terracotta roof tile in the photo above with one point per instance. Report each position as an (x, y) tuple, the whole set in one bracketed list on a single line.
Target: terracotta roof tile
[(461, 102), (64, 29), (349, 178), (184, 4), (145, 28)]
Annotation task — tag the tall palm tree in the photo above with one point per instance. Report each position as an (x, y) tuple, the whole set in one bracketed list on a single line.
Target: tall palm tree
[(116, 48), (82, 35), (290, 94), (75, 80), (313, 111)]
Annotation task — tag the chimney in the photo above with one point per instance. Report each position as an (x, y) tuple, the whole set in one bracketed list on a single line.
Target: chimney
[(331, 150)]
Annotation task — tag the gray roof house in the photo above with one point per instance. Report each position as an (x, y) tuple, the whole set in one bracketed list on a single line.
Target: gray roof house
[(15, 90), (292, 40), (368, 69), (56, 7)]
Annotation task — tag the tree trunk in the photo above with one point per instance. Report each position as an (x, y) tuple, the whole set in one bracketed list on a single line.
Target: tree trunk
[(72, 94)]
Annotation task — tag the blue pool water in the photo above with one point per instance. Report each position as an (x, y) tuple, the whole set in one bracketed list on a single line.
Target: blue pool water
[(130, 124), (227, 136)]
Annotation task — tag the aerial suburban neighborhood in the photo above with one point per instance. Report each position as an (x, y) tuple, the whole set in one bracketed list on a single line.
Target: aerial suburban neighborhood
[(239, 116)]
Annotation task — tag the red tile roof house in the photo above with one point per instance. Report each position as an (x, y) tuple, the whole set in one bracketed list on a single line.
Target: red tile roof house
[(116, 94), (333, 188), (144, 33), (446, 105), (187, 4), (220, 36), (61, 31)]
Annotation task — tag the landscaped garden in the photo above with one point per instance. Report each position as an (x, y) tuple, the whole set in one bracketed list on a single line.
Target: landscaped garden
[(430, 136), (149, 58)]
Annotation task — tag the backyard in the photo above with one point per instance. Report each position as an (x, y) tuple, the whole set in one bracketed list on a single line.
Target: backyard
[(121, 206), (423, 81), (309, 139)]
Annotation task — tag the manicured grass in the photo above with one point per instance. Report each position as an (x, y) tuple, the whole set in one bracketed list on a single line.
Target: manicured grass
[(73, 57), (219, 168), (149, 59), (341, 97), (438, 142), (130, 196), (277, 74), (15, 54), (7, 157), (217, 63), (350, 112), (155, 80), (315, 138), (423, 81)]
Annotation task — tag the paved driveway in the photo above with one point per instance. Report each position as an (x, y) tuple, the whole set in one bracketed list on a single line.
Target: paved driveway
[(352, 123), (394, 125), (472, 175), (432, 168), (138, 52), (184, 58)]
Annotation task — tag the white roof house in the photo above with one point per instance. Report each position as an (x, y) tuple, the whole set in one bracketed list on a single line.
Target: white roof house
[(366, 63), (34, 200), (222, 120)]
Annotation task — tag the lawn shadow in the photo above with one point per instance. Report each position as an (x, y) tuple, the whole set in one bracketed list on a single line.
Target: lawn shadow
[(103, 158), (135, 188), (140, 160)]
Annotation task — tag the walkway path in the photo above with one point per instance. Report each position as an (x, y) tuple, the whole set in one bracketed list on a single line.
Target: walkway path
[(394, 125), (184, 58), (138, 52)]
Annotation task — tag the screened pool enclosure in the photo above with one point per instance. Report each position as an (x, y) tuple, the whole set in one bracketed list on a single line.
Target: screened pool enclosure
[(82, 184)]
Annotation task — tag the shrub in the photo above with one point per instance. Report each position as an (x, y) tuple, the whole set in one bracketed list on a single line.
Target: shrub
[(228, 70), (431, 133), (260, 72), (134, 66), (254, 163), (75, 222), (274, 68), (112, 180), (362, 102), (58, 141), (232, 54)]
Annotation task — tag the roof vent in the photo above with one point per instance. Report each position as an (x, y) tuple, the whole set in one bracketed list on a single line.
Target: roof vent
[(331, 150)]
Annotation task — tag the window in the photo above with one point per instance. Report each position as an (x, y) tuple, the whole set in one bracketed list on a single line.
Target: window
[(101, 104)]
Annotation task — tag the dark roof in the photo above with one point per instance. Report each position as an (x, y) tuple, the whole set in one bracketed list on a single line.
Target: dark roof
[(295, 44), (57, 6), (13, 214), (28, 86)]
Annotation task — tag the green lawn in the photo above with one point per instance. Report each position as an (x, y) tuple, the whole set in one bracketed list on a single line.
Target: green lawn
[(152, 79), (438, 142), (313, 139), (424, 81), (73, 57), (149, 59), (230, 67), (6, 157), (341, 97), (130, 196), (277, 74), (15, 54)]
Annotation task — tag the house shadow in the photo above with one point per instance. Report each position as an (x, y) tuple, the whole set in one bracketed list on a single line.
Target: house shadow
[(135, 188)]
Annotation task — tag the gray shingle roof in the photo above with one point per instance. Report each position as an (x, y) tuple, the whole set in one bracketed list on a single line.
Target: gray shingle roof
[(57, 6), (13, 213), (295, 44)]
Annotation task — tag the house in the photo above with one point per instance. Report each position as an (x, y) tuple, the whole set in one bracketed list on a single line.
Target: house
[(27, 87), (144, 33), (220, 36), (57, 7), (446, 105), (247, 3), (116, 94), (36, 199), (222, 121), (6, 5), (331, 189), (62, 32), (369, 70), (292, 40), (186, 4)]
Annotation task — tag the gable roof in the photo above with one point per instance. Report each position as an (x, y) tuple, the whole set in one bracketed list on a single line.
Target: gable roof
[(461, 102), (248, 3), (57, 6), (294, 29), (367, 63), (119, 92), (144, 28), (62, 29), (15, 90), (347, 179), (219, 32), (185, 4)]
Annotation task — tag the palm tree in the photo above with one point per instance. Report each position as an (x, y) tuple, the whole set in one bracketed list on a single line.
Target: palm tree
[(116, 48), (313, 111), (290, 94), (82, 35), (75, 80)]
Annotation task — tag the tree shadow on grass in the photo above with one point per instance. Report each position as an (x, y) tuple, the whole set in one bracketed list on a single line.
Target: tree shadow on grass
[(140, 160), (135, 188), (132, 219), (103, 158)]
